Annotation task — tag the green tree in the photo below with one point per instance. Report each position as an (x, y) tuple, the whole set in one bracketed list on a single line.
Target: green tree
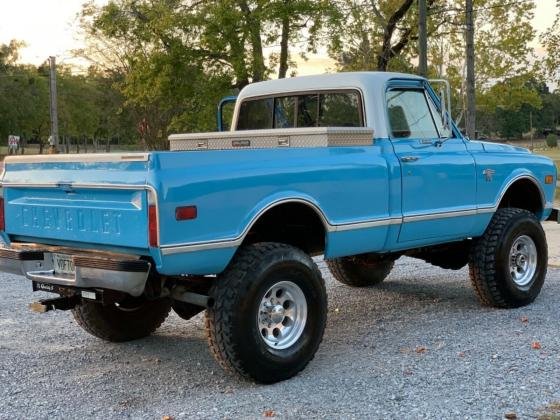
[(23, 96), (178, 58), (382, 35), (89, 106), (376, 34), (551, 41)]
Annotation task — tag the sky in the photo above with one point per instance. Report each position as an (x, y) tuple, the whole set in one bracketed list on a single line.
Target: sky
[(49, 28)]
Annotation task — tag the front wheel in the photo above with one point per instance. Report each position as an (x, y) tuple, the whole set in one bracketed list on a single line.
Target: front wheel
[(360, 270), (269, 313), (508, 263)]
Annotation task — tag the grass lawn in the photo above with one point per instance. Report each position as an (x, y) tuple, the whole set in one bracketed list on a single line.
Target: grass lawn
[(554, 154)]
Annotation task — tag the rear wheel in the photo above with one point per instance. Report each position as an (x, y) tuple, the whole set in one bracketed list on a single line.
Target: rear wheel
[(132, 319), (508, 263), (360, 270), (269, 313)]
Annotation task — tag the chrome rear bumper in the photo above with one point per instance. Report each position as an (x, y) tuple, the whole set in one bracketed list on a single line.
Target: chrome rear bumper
[(111, 272)]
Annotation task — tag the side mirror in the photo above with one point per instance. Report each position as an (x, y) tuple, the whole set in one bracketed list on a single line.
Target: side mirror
[(225, 112)]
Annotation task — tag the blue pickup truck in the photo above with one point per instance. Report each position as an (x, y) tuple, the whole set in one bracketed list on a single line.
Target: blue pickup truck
[(359, 167)]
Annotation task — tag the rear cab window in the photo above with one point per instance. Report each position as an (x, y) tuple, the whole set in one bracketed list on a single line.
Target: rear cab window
[(256, 115), (310, 109)]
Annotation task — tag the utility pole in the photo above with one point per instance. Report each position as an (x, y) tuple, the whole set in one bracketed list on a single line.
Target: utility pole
[(471, 100), (54, 106), (531, 125), (422, 38)]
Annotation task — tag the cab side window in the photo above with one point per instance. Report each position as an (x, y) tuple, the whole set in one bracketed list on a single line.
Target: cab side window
[(410, 115)]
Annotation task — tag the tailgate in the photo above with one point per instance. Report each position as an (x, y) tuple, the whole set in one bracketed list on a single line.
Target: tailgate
[(87, 199)]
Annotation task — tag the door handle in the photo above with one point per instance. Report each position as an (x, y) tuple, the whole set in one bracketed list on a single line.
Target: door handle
[(409, 159)]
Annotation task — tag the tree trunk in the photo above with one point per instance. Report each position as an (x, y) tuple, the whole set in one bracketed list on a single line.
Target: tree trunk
[(387, 50), (239, 64), (254, 28), (285, 37)]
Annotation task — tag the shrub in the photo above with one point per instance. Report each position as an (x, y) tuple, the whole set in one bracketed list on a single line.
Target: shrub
[(552, 140)]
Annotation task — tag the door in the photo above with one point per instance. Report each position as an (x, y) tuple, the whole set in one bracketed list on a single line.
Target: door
[(438, 173)]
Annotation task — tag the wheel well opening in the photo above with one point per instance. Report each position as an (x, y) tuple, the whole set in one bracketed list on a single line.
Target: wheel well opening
[(523, 194), (294, 224)]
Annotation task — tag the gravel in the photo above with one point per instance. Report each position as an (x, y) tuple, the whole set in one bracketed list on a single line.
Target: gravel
[(418, 346)]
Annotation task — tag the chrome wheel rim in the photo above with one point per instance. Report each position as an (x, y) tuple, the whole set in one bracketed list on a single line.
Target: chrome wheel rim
[(282, 315), (523, 260)]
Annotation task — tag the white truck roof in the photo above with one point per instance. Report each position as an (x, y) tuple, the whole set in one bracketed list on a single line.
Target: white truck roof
[(371, 84)]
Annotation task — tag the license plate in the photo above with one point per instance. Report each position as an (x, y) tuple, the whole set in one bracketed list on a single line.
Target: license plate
[(63, 264)]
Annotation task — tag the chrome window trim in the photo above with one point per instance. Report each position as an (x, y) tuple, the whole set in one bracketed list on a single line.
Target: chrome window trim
[(433, 108)]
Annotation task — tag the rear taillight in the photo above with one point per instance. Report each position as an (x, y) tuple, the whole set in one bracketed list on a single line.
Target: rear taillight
[(2, 219), (152, 226)]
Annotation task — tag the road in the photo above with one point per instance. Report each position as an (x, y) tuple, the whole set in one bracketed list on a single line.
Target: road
[(418, 346)]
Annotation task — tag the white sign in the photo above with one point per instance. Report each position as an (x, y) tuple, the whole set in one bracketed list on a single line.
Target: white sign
[(13, 142)]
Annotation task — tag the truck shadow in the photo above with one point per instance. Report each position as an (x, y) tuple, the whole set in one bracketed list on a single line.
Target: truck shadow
[(181, 345), (391, 319)]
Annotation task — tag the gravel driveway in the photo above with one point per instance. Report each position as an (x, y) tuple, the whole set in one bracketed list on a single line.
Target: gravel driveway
[(419, 346)]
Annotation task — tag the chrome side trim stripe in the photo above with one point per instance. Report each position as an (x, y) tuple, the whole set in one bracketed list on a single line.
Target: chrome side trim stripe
[(200, 246), (80, 158), (442, 215), (366, 225), (483, 210), (232, 243)]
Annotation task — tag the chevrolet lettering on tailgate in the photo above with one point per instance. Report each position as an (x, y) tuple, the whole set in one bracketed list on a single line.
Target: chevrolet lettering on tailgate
[(82, 220)]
